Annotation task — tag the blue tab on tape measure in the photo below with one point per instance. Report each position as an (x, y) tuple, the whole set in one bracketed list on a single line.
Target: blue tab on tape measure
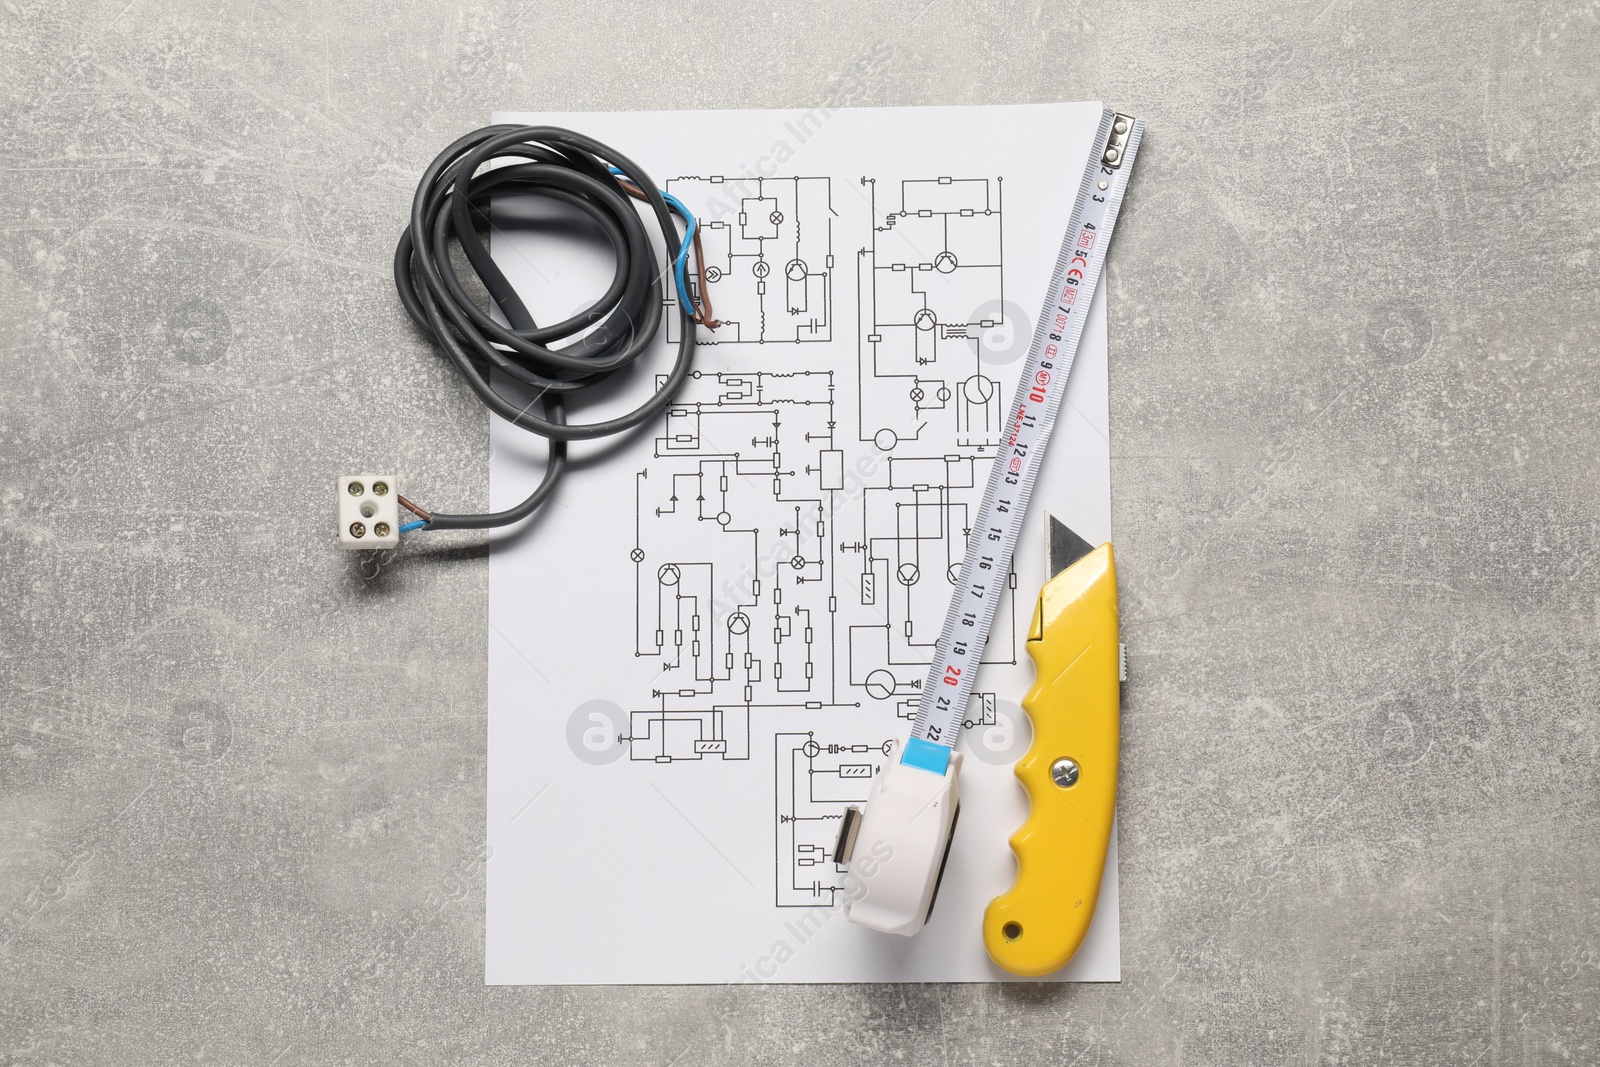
[(927, 755)]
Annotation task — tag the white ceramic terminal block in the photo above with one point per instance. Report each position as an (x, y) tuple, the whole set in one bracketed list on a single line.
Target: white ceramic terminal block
[(369, 513), (898, 854)]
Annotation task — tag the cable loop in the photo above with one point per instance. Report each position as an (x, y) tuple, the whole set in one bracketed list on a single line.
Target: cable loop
[(555, 361)]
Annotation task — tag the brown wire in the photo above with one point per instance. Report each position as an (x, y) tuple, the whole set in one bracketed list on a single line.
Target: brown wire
[(702, 314), (409, 506), (705, 318)]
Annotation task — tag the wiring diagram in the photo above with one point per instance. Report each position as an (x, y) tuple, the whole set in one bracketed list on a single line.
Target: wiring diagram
[(711, 639)]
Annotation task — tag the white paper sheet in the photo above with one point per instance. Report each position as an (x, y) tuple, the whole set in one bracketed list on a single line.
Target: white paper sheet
[(702, 646)]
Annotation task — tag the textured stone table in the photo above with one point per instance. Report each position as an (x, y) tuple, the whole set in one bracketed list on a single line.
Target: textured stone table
[(1354, 408)]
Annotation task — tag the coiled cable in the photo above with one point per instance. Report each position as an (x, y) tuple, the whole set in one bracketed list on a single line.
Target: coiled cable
[(556, 361)]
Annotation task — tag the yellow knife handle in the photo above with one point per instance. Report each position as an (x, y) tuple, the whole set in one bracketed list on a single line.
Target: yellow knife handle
[(1069, 772)]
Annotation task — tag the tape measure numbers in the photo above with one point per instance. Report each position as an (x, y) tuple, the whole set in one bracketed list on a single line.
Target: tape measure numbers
[(987, 567)]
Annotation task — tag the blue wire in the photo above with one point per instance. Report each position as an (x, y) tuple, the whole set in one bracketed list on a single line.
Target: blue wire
[(683, 252), (417, 525)]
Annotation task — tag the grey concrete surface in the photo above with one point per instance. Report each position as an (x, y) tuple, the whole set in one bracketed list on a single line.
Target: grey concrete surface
[(1355, 395)]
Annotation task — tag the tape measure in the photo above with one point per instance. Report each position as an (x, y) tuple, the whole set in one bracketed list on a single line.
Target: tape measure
[(1028, 422), (912, 808)]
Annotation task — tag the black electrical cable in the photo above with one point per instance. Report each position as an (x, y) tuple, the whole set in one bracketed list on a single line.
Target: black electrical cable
[(594, 344)]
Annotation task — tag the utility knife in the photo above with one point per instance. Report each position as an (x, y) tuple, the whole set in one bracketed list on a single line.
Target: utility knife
[(1070, 770)]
